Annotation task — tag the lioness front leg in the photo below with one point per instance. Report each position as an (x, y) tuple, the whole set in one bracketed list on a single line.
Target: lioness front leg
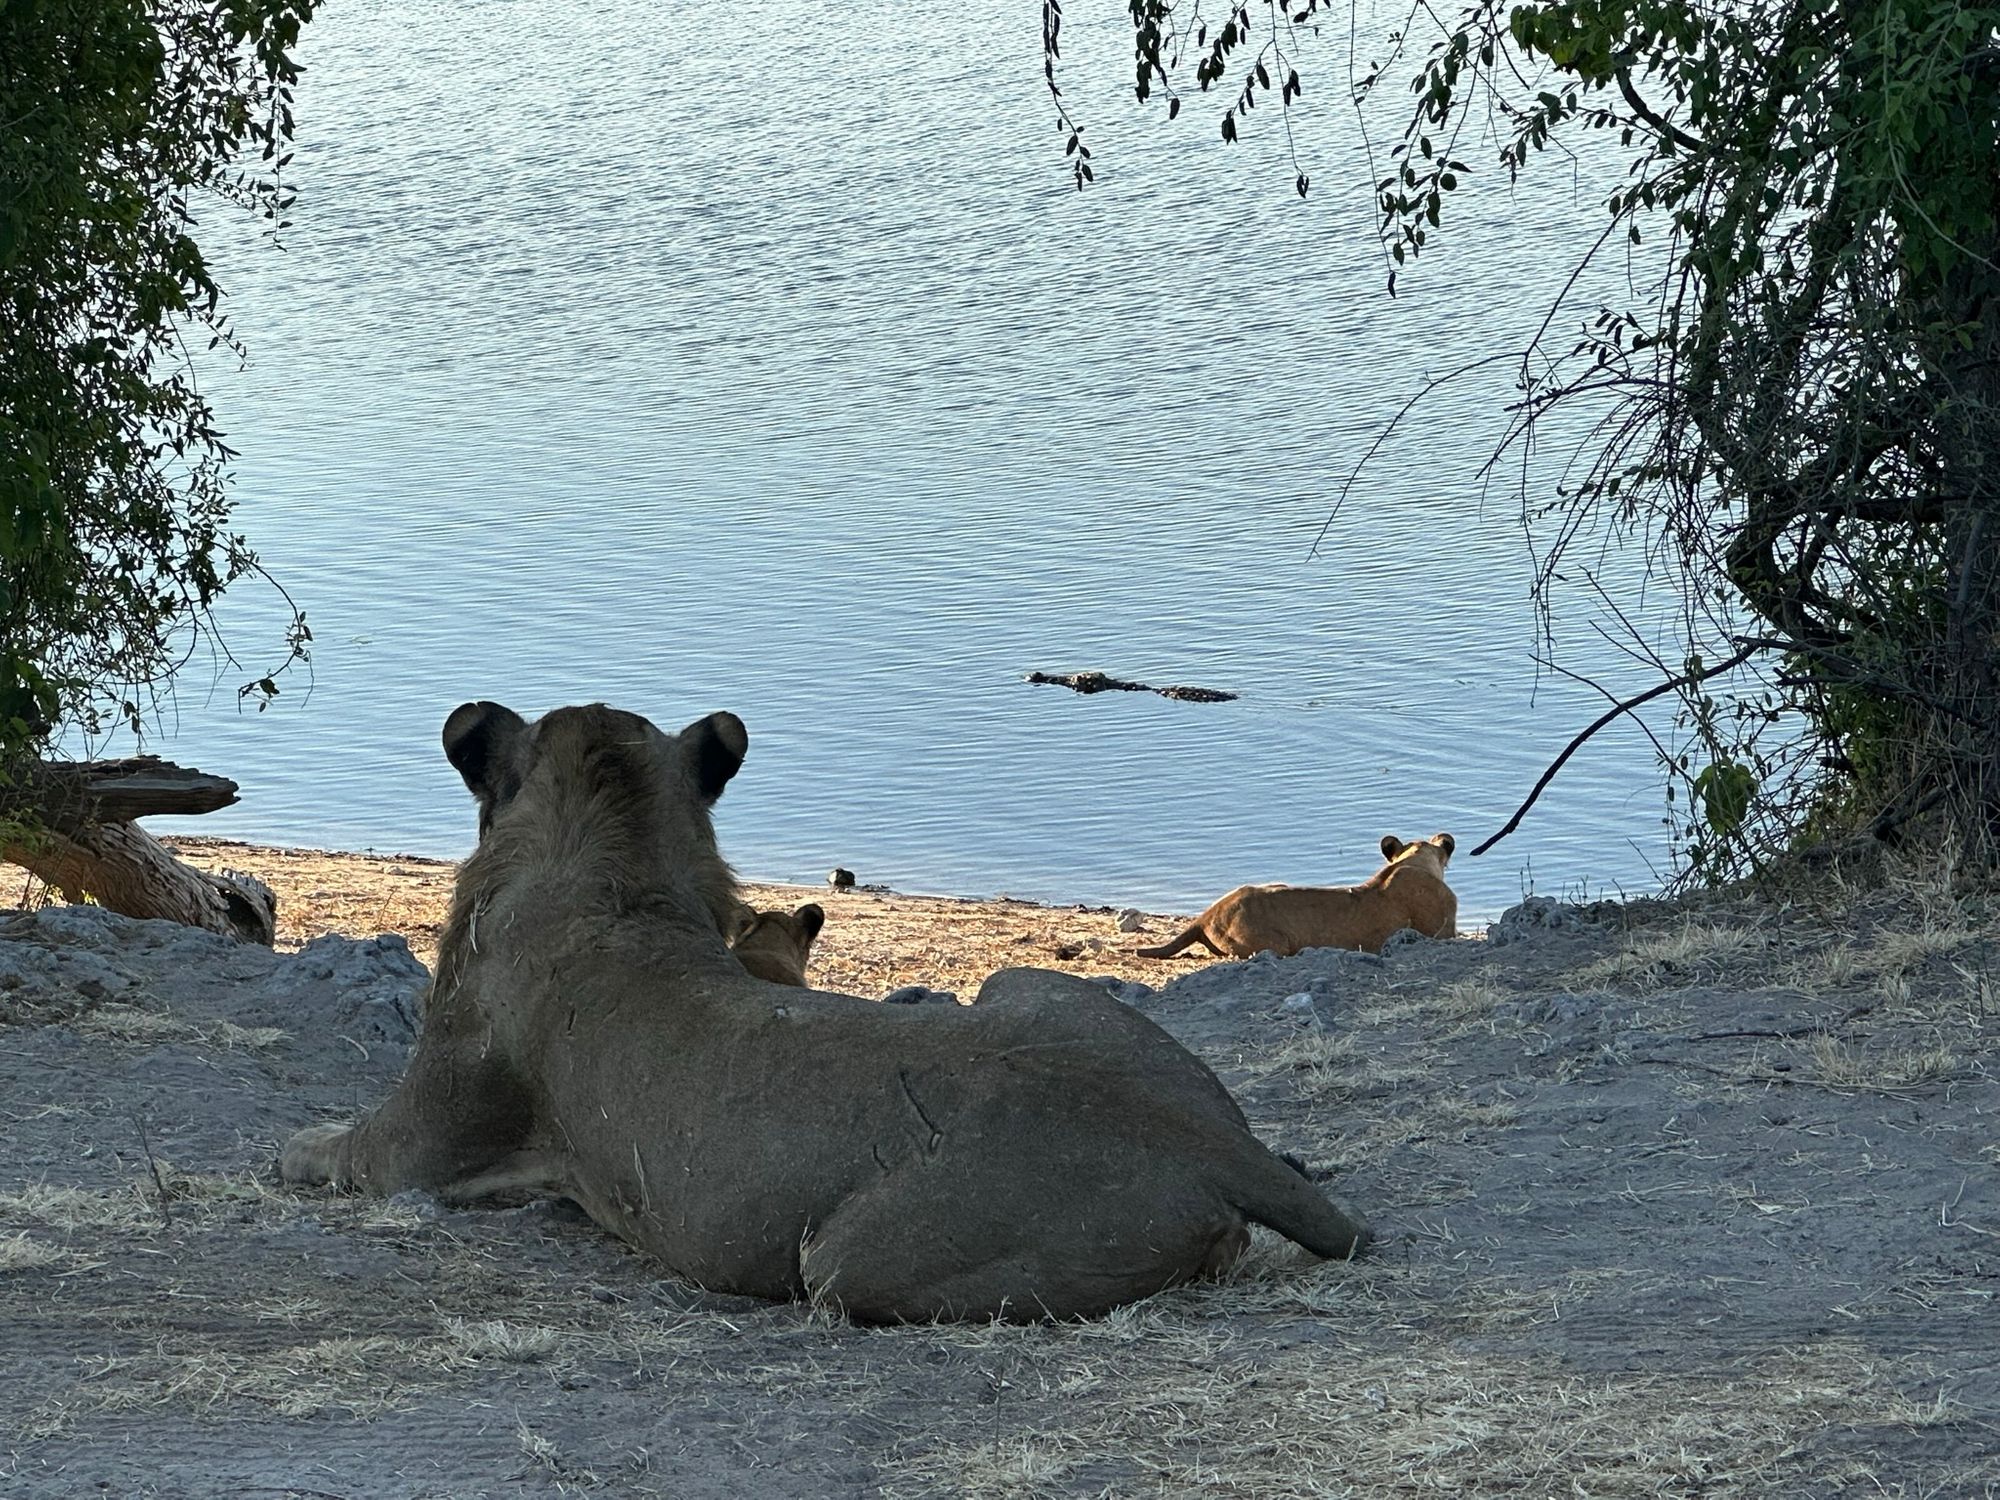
[(458, 1116), (312, 1156)]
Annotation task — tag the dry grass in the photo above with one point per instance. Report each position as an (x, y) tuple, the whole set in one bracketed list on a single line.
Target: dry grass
[(1442, 1012), (1443, 1117), (364, 1374), (1846, 1065), (1265, 1422), (1329, 1067), (198, 1200), (1184, 1394), (129, 1023), (22, 1252), (1469, 999), (1826, 970), (495, 1339), (1902, 950), (360, 1377), (1322, 1058), (69, 1210), (1676, 956)]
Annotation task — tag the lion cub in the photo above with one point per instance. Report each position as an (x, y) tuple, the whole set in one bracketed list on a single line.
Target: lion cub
[(1408, 891), (776, 945)]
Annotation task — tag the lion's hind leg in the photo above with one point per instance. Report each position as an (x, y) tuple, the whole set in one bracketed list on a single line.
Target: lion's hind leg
[(909, 1248)]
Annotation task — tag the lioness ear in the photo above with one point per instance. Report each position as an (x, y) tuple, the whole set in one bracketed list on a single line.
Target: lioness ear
[(1447, 843), (1392, 846), (483, 741), (812, 916), (741, 925), (716, 746)]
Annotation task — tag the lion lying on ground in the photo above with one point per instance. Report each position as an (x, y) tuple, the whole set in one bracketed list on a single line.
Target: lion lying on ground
[(777, 945), (1408, 891), (1047, 1152)]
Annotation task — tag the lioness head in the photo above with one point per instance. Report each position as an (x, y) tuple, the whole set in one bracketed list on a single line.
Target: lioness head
[(1433, 853), (777, 945), (600, 788)]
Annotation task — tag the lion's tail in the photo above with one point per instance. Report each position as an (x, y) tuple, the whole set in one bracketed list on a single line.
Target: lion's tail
[(1193, 934), (1274, 1192)]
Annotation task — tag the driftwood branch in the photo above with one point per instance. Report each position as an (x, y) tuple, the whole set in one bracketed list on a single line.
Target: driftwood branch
[(66, 795), (1672, 684), (79, 837)]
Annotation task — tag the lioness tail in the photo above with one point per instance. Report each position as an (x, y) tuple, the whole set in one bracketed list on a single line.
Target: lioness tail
[(1192, 935), (1279, 1196)]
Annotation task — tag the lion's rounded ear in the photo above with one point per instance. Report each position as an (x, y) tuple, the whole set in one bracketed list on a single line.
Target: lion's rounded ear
[(812, 916), (741, 924), (716, 746), (1392, 846), (1445, 842), (482, 741)]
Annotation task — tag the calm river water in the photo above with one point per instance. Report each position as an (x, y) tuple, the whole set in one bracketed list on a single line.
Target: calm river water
[(691, 358)]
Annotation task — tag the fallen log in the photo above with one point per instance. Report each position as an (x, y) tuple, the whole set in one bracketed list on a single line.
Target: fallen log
[(66, 795), (77, 834)]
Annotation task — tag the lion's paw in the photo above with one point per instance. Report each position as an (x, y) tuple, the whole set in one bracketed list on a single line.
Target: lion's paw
[(312, 1155)]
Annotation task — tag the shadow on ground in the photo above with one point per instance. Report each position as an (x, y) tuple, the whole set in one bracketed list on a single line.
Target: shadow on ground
[(1673, 1202)]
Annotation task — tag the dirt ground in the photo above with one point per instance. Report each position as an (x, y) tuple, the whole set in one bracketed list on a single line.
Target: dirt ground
[(1692, 1201)]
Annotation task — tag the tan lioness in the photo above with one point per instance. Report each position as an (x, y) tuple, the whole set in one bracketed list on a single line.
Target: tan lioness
[(1047, 1152), (1408, 891), (777, 945)]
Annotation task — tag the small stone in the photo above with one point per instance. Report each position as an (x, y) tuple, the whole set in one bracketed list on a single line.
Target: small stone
[(1301, 1004), (1129, 920), (1403, 937)]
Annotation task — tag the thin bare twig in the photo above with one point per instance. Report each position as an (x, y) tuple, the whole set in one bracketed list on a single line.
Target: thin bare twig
[(1685, 680)]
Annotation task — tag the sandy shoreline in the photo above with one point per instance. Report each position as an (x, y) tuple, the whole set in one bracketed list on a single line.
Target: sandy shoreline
[(874, 941)]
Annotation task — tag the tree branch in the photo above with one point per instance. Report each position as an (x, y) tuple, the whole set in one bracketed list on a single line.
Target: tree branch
[(67, 796), (1659, 122), (1686, 679)]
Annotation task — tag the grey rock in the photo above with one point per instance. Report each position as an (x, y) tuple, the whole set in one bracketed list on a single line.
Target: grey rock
[(371, 990), (1301, 1007), (1537, 914), (1562, 1009), (1404, 937), (1130, 920)]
